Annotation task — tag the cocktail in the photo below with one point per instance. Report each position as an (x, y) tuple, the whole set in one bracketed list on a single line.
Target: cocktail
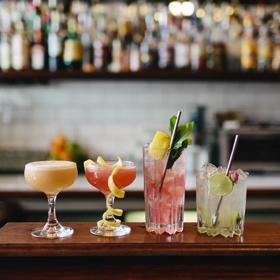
[(164, 206), (51, 177), (164, 179), (110, 177), (221, 201)]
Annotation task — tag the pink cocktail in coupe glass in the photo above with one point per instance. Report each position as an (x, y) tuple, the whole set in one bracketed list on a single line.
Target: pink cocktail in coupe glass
[(164, 206), (98, 177)]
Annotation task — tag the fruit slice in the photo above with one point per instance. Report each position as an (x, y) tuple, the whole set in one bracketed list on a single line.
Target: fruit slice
[(112, 186), (101, 162), (159, 145), (89, 162), (220, 184)]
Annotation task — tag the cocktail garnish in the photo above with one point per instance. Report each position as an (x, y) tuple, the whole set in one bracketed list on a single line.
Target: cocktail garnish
[(112, 186), (101, 162), (233, 176), (89, 162), (215, 217), (115, 191), (159, 145), (183, 138), (220, 184)]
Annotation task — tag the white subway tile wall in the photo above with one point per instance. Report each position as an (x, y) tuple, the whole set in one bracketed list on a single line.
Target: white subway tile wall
[(118, 117)]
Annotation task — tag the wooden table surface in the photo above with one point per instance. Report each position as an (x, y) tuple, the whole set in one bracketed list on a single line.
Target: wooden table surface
[(258, 239), (140, 255)]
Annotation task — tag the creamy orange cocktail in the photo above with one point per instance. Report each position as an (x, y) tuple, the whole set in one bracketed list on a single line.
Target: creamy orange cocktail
[(51, 177)]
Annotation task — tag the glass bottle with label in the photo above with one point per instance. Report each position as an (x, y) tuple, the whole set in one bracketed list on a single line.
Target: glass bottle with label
[(149, 52), (197, 52), (55, 62), (181, 51), (276, 52), (72, 56), (248, 53), (264, 50), (38, 50), (165, 50), (20, 48), (5, 52)]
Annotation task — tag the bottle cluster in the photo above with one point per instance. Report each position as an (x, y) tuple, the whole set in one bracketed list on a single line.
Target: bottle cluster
[(118, 37)]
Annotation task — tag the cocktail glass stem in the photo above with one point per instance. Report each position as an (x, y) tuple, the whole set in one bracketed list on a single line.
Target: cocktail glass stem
[(52, 220), (52, 228), (110, 201)]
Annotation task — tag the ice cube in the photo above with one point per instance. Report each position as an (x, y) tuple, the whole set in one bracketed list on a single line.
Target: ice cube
[(221, 169), (208, 168)]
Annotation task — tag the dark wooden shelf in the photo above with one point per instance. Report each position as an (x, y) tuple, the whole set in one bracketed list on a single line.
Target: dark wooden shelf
[(162, 75)]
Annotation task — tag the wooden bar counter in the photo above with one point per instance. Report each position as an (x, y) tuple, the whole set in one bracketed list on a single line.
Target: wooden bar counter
[(140, 255)]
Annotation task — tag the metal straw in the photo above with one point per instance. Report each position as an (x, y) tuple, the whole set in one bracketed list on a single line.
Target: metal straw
[(215, 218), (170, 147)]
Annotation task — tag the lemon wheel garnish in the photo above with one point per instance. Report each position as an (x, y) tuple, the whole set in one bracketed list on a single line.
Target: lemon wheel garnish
[(159, 145)]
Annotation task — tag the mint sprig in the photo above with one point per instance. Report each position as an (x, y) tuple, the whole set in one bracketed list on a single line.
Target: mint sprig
[(183, 138)]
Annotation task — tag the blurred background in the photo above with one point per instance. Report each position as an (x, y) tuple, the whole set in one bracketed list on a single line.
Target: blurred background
[(80, 79)]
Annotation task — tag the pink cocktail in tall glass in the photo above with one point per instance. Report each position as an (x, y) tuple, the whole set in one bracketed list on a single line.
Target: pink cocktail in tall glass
[(164, 206)]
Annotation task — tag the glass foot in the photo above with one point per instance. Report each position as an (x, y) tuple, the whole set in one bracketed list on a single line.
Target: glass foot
[(52, 232), (117, 231)]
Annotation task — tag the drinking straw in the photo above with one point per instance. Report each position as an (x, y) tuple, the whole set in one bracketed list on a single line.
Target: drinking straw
[(233, 150), (170, 147)]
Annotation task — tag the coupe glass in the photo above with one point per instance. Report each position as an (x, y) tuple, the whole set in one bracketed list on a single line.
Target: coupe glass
[(51, 177), (98, 177)]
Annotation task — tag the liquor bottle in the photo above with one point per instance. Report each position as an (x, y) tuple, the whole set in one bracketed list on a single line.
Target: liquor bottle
[(248, 56), (264, 50), (197, 52), (101, 42), (101, 53), (165, 50), (181, 51), (248, 53), (5, 52), (38, 49), (20, 48), (54, 37), (115, 65), (5, 42), (72, 56), (87, 63), (134, 57), (276, 52), (218, 56), (233, 43), (149, 51)]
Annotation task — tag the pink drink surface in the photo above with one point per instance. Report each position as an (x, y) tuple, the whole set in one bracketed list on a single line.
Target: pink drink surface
[(164, 209), (98, 177)]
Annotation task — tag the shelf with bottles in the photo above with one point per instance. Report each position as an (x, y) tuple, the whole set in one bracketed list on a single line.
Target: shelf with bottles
[(141, 40), (31, 76)]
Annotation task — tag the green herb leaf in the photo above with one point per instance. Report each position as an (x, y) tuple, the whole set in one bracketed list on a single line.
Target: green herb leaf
[(183, 138)]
